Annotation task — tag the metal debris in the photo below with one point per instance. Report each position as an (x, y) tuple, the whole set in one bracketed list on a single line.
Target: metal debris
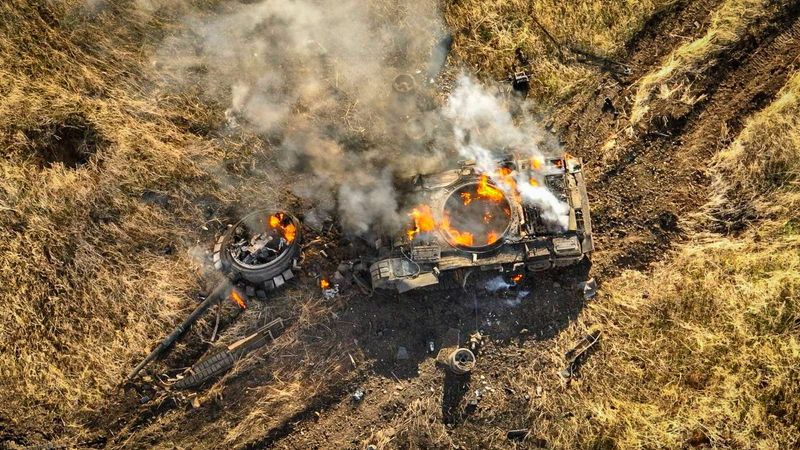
[(223, 360), (220, 292), (475, 341), (608, 107), (589, 288), (578, 353), (358, 395), (461, 361), (404, 84), (520, 434), (330, 292)]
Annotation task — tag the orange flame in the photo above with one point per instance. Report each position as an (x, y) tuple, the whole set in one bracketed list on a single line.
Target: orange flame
[(288, 231), (492, 237), (487, 191), (238, 299), (533, 182), (516, 278), (324, 284), (467, 198), (423, 221), (459, 237)]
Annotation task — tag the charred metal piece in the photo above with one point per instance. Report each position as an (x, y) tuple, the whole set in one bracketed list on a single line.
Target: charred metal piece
[(589, 288), (221, 361), (578, 353), (461, 361), (608, 107), (404, 84), (519, 434), (521, 81), (522, 236), (220, 292), (260, 249)]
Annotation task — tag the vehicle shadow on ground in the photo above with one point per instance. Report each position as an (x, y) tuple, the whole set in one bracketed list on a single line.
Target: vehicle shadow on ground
[(397, 330), (395, 333)]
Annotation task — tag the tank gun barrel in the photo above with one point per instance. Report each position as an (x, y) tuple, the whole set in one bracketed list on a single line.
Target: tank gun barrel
[(220, 292)]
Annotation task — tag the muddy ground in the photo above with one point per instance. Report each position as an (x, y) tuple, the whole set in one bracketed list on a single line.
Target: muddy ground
[(644, 186)]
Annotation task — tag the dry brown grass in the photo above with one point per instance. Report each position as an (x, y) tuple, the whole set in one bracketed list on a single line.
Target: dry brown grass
[(87, 287), (757, 176), (486, 34), (673, 80), (86, 278)]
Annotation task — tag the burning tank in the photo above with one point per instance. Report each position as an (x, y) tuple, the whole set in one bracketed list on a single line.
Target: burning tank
[(526, 214)]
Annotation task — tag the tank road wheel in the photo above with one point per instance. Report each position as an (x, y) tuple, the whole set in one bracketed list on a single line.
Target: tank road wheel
[(260, 248), (461, 361)]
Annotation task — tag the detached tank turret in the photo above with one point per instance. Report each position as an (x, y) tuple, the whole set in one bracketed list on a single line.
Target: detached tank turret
[(526, 214)]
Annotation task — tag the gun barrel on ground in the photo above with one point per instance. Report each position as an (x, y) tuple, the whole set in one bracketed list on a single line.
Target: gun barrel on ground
[(219, 293)]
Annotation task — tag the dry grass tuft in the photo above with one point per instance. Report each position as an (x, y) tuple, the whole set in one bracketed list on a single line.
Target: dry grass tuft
[(486, 34), (762, 163)]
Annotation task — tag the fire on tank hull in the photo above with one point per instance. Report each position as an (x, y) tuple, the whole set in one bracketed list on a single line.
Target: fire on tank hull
[(528, 215)]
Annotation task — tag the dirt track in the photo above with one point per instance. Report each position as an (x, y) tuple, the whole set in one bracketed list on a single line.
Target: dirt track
[(641, 196)]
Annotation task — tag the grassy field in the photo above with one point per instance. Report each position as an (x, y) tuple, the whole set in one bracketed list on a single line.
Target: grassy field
[(487, 33), (91, 270), (108, 175)]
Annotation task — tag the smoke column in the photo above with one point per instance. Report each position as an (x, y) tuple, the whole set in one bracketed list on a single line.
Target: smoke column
[(314, 79)]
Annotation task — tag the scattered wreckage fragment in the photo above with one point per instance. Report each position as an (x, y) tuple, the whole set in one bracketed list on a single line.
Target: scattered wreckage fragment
[(258, 252), (260, 249), (459, 360), (578, 353), (221, 361), (446, 244)]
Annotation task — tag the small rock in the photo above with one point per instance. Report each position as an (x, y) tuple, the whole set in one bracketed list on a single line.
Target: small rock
[(402, 353)]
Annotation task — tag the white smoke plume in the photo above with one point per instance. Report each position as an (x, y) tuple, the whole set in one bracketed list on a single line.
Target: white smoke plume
[(314, 77), (484, 130)]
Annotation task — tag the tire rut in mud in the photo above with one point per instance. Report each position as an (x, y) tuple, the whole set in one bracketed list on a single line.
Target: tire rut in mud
[(641, 185)]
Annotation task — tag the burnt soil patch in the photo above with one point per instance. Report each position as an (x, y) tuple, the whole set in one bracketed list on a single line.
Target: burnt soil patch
[(71, 143)]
